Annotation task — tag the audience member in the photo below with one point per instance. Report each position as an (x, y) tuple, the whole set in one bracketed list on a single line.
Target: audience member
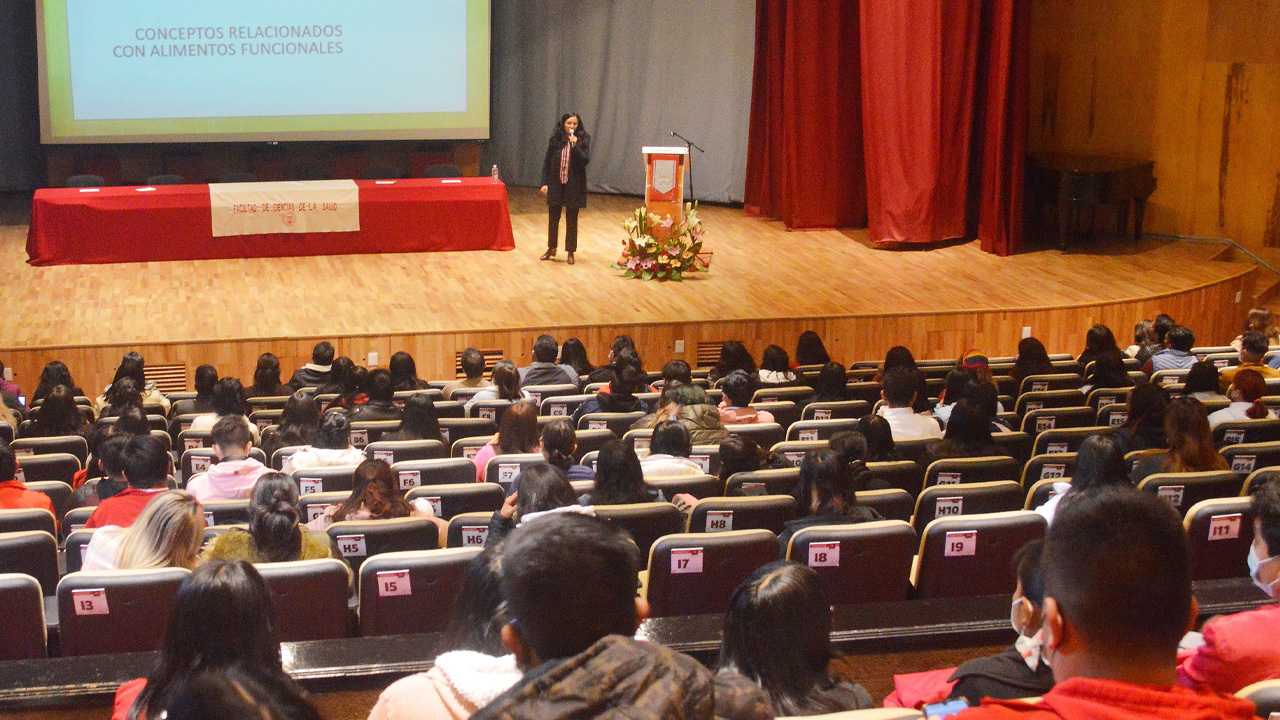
[(1099, 464), (968, 435), (297, 425), (605, 373), (879, 436), (505, 386), (339, 379), (132, 366), (331, 446), (404, 373), (1022, 670), (676, 372), (58, 416), (1245, 393), (236, 694), (53, 374), (122, 395), (1108, 372), (348, 383), (987, 397), (419, 420), (146, 466), (473, 668), (735, 408), (472, 362), (228, 402), (899, 393), (777, 639), (689, 406), (1161, 327), (1032, 359), (810, 351), (826, 494), (572, 610), (952, 392), (131, 421), (1259, 320), (1176, 354), (1191, 446), (381, 406), (738, 453), (733, 356), (1253, 348), (517, 435), (108, 460), (544, 370), (619, 479), (275, 533), (901, 357), (1202, 384), (775, 367), (234, 474), (559, 443), (542, 488), (315, 373), (1117, 602), (832, 385), (1099, 342), (168, 533), (206, 377), (669, 451), (14, 494), (376, 495), (222, 619), (573, 354), (266, 379), (1145, 343), (620, 396), (1143, 427), (1241, 649)]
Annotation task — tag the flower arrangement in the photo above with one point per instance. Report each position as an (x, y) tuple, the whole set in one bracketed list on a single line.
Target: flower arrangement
[(659, 248)]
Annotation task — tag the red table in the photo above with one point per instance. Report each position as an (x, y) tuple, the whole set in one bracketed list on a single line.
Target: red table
[(174, 222)]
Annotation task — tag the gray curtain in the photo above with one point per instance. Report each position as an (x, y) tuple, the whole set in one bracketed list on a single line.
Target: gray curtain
[(20, 157), (636, 71)]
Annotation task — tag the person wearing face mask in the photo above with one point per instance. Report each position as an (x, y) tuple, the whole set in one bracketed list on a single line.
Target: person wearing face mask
[(1023, 669), (1244, 648)]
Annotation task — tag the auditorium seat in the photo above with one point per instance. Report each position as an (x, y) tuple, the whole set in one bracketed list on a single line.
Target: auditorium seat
[(1047, 383), (723, 514), (166, 179), (708, 457), (905, 475), (70, 444), (764, 434), (1102, 397), (226, 512), (194, 462), (116, 612), (784, 412), (973, 555), (469, 530), (31, 552), (1038, 421), (440, 471), (192, 439), (795, 450), (696, 573), (1047, 467), (393, 451), (645, 522), (562, 405), (1066, 440), (504, 469), (24, 519), (360, 539), (1219, 533), (411, 591), (1041, 491), (263, 419), (1182, 490), (699, 486), (639, 440), (324, 479), (941, 501), (862, 563), (310, 598), (1244, 458), (85, 181), (76, 518), (779, 393), (1258, 477), (365, 432), (1041, 399), (619, 423), (1113, 416), (22, 634), (313, 505), (445, 170), (76, 542), (892, 503), (463, 394), (836, 410), (450, 409), (57, 492), (489, 410), (1236, 432), (458, 498), (1264, 695), (455, 429), (468, 447), (954, 471), (1166, 378), (591, 441), (810, 430), (763, 482), (539, 393), (1018, 445), (432, 394)]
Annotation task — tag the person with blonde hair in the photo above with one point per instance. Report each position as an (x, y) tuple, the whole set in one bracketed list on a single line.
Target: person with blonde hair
[(168, 533), (1259, 320)]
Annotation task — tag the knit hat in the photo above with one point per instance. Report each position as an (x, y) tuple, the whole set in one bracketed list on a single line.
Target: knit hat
[(974, 359)]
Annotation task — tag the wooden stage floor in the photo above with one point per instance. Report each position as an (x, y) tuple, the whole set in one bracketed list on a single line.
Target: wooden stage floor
[(761, 274)]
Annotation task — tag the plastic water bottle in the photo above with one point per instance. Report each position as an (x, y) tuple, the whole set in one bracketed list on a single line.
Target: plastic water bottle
[(493, 174)]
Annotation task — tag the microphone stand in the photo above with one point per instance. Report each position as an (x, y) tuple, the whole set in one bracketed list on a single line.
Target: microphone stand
[(690, 147)]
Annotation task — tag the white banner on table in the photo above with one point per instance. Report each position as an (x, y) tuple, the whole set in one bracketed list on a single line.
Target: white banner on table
[(266, 208)]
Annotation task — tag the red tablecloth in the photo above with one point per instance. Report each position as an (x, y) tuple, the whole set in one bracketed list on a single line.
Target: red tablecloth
[(174, 222)]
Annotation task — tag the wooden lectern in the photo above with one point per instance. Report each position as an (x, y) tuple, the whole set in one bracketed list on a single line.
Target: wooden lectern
[(664, 184)]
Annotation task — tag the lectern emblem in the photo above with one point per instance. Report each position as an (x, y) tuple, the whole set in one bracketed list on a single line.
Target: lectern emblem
[(664, 176)]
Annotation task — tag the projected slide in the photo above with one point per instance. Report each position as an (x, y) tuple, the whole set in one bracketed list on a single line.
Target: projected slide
[(157, 70)]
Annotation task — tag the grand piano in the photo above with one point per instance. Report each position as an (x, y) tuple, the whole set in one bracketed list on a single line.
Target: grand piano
[(1073, 182)]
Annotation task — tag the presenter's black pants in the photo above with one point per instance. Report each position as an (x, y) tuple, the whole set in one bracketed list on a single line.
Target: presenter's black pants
[(570, 227)]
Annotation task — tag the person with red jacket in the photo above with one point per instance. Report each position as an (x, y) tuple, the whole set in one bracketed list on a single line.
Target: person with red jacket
[(146, 468), (1242, 649), (14, 494), (1117, 603)]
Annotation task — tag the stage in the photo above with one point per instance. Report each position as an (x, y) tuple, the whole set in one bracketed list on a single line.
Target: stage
[(765, 285)]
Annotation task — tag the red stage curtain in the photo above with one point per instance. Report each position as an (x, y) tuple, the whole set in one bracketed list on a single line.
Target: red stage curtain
[(1007, 27), (804, 158)]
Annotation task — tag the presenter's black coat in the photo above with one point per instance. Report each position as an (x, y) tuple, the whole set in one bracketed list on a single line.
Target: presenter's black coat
[(572, 194)]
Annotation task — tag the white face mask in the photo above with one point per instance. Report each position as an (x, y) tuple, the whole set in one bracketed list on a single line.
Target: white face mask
[(1033, 650), (1255, 564), (1013, 616)]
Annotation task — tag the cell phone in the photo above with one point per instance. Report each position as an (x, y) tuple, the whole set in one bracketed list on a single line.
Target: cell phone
[(22, 400), (945, 709)]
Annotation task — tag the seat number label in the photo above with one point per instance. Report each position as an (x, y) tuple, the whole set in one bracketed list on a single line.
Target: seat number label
[(1232, 437), (686, 561), (597, 425), (795, 458), (948, 478), (1173, 494), (307, 486), (1118, 418), (410, 479), (807, 435), (1057, 448), (824, 554), (719, 520), (962, 544), (704, 462), (507, 472), (90, 602), (1053, 472), (559, 409), (947, 507), (394, 583), (1045, 423), (474, 536), (1243, 463), (1225, 527), (386, 456), (486, 413), (359, 438), (352, 546), (199, 465), (821, 414)]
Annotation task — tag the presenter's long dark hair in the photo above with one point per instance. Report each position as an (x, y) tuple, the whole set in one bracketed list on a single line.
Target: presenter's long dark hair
[(559, 137)]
